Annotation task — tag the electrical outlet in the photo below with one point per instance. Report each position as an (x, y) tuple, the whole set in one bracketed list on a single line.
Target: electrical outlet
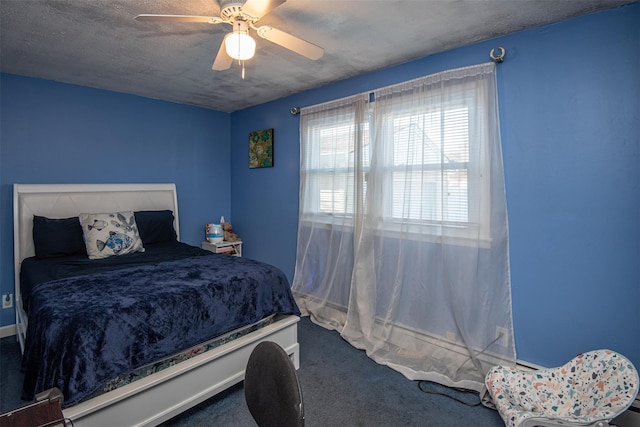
[(502, 336), (7, 300)]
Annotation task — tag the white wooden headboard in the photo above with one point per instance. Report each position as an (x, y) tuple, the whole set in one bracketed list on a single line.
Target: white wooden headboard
[(69, 200)]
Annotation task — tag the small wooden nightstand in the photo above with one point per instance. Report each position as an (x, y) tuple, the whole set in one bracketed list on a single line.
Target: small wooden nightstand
[(231, 248)]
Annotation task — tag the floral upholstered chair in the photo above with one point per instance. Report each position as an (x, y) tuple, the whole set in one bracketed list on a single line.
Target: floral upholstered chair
[(589, 390)]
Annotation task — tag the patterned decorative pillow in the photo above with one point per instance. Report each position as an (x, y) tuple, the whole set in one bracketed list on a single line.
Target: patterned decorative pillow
[(109, 234)]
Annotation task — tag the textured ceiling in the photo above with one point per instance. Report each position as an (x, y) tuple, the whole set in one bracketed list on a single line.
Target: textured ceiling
[(97, 43)]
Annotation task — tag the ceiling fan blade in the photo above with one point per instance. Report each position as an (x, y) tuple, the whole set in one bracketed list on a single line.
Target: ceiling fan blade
[(222, 61), (179, 18), (259, 8), (299, 46)]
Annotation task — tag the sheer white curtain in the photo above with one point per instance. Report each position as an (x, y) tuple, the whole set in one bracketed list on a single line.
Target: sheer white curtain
[(403, 237)]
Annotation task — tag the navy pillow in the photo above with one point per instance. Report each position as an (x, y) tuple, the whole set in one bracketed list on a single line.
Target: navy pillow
[(57, 237), (155, 226)]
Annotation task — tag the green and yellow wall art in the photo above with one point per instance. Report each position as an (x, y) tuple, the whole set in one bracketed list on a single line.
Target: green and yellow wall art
[(261, 149)]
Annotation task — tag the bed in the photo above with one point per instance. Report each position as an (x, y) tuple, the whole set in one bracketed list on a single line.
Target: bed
[(63, 296)]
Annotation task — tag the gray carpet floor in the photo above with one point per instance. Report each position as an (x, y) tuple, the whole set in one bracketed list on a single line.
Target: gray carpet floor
[(341, 386)]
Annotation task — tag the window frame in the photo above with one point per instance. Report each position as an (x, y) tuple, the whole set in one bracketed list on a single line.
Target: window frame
[(476, 227)]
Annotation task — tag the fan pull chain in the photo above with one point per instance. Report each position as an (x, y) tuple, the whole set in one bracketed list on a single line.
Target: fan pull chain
[(242, 70)]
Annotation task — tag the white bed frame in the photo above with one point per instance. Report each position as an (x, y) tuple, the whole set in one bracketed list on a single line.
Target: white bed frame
[(163, 395)]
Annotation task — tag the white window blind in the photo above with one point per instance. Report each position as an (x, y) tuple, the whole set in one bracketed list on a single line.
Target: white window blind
[(429, 169), (330, 166), (426, 170)]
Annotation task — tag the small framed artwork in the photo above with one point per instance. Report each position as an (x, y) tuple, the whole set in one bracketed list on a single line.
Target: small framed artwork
[(261, 149)]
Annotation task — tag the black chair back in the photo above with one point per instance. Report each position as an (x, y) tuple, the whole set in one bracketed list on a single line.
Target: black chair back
[(271, 387)]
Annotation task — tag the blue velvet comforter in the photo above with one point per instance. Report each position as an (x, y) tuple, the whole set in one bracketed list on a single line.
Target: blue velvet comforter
[(88, 329)]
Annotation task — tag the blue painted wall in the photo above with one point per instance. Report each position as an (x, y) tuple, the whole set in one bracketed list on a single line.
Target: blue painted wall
[(59, 133), (570, 106), (570, 120)]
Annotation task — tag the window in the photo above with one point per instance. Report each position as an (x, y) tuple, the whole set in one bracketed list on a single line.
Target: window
[(429, 168), (422, 163), (330, 165)]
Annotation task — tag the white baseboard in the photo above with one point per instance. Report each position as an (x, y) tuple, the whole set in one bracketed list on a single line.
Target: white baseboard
[(7, 331)]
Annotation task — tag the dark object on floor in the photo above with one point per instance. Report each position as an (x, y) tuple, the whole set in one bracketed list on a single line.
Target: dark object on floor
[(271, 387), (45, 411)]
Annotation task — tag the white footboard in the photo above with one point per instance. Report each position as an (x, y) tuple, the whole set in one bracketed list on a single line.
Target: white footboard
[(161, 396)]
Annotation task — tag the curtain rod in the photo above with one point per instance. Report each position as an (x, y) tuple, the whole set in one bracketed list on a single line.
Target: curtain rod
[(499, 58)]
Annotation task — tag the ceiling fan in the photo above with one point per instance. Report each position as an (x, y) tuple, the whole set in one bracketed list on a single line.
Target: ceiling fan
[(238, 44)]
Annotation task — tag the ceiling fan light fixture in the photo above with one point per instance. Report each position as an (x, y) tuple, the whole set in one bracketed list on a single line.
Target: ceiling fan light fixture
[(239, 44)]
